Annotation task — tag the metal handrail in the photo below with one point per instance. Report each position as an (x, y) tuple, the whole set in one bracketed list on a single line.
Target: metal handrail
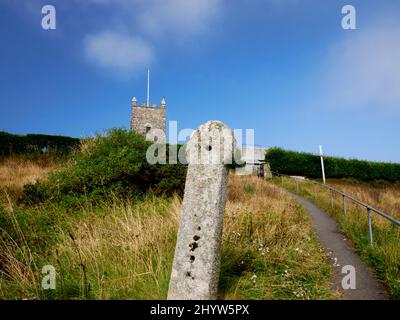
[(346, 196)]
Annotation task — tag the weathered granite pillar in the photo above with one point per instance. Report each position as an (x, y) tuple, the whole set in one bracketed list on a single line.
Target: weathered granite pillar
[(196, 266)]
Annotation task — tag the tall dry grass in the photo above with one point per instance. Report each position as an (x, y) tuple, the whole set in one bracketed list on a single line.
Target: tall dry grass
[(125, 250), (123, 253), (385, 198), (384, 254), (16, 171), (269, 248)]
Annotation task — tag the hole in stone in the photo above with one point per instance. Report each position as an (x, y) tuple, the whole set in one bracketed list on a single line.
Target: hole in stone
[(199, 228), (188, 274), (196, 238), (208, 148), (192, 258), (193, 246)]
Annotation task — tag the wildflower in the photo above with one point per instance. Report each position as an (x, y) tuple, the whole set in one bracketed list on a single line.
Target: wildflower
[(299, 294), (335, 262)]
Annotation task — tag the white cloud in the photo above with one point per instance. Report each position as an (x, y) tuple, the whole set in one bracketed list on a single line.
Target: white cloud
[(154, 17), (153, 20), (363, 71), (182, 17), (119, 52)]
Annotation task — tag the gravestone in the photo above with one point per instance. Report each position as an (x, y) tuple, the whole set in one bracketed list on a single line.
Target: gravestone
[(196, 266)]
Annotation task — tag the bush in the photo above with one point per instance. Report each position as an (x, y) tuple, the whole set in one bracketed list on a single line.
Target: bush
[(107, 167), (309, 165)]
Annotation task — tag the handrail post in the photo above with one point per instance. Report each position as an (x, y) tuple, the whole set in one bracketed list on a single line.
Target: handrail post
[(331, 198), (344, 205), (370, 227), (297, 185), (282, 180)]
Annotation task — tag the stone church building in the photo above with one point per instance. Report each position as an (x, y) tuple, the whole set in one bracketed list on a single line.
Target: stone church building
[(149, 121)]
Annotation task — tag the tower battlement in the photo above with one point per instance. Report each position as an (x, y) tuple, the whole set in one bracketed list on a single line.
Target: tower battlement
[(147, 118)]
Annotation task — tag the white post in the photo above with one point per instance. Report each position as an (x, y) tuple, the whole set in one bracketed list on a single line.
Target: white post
[(148, 88), (322, 164)]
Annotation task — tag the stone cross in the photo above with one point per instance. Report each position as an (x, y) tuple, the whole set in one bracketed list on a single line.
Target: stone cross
[(196, 266)]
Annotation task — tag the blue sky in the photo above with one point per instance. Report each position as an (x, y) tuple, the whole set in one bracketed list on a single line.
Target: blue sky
[(284, 68)]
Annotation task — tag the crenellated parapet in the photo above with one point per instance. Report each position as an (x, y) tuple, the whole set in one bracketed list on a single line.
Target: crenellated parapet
[(146, 118)]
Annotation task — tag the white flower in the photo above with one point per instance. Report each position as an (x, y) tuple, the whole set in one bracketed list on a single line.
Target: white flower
[(335, 262)]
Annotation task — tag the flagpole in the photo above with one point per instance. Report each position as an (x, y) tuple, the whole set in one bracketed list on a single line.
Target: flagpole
[(148, 87)]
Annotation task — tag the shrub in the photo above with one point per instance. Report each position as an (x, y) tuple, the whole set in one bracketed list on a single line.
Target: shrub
[(106, 167), (309, 165)]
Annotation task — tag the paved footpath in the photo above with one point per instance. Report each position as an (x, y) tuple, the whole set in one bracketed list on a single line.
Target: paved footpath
[(342, 254)]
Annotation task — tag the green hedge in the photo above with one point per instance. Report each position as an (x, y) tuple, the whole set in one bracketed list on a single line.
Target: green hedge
[(11, 144), (309, 165)]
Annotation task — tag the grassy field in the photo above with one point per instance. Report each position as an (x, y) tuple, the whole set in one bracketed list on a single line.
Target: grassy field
[(122, 250), (15, 172), (384, 255)]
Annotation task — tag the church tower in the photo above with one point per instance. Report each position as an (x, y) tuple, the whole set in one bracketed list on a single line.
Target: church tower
[(149, 121)]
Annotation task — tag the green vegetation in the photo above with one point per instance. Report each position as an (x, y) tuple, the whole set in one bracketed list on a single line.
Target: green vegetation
[(306, 164), (269, 249), (34, 144), (124, 250), (112, 251), (384, 255), (107, 167), (107, 221)]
